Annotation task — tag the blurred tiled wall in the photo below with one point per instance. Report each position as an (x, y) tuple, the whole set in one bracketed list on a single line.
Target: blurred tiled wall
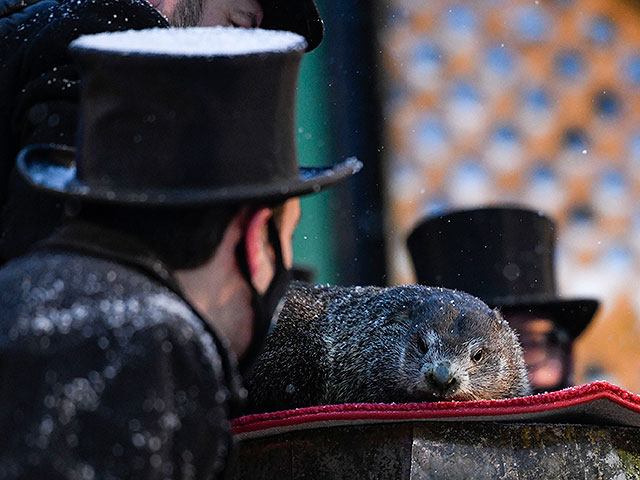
[(535, 102)]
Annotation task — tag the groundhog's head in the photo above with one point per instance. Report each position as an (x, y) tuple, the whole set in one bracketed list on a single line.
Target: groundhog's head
[(457, 348)]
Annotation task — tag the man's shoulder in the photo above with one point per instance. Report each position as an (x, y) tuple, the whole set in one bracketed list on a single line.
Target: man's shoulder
[(14, 13), (107, 15), (77, 271), (141, 11), (26, 20), (56, 278), (73, 298)]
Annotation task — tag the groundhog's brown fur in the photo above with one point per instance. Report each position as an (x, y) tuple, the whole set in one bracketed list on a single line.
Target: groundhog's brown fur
[(399, 344)]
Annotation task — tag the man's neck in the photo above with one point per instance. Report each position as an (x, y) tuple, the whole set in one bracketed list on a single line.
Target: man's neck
[(219, 292)]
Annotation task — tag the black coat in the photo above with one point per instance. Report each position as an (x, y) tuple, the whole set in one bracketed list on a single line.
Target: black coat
[(106, 371), (39, 95)]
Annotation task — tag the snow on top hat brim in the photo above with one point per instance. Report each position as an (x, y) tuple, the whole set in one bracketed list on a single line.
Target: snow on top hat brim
[(52, 169)]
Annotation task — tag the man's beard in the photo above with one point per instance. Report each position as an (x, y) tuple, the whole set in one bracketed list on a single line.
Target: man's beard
[(187, 13)]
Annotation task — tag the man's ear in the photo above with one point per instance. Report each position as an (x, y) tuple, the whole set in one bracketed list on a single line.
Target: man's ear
[(260, 255)]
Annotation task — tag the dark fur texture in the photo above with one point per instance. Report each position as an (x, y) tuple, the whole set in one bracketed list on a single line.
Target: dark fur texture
[(400, 344)]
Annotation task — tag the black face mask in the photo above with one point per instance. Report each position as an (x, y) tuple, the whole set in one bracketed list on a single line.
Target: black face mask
[(265, 306)]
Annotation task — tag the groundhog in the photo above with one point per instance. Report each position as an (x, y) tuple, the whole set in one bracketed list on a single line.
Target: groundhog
[(400, 344)]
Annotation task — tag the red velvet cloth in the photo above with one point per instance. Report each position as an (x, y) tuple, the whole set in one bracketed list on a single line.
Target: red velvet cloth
[(598, 403)]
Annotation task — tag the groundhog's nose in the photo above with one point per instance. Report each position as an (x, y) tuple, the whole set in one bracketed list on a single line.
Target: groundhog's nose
[(442, 376)]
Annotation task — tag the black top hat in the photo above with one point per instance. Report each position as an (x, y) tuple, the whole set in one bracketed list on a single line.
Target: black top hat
[(503, 255), (299, 16), (184, 117)]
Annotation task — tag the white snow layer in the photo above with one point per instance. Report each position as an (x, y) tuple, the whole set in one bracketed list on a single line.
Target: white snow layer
[(194, 41)]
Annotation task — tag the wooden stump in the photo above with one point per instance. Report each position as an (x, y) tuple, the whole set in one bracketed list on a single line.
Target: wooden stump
[(444, 450)]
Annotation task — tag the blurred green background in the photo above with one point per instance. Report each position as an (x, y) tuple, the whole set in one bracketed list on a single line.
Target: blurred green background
[(341, 236), (314, 240)]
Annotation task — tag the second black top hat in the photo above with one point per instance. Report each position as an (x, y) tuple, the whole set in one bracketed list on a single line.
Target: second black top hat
[(503, 255)]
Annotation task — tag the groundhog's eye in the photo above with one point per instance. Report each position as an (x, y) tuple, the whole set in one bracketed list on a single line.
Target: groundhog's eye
[(478, 355), (422, 344)]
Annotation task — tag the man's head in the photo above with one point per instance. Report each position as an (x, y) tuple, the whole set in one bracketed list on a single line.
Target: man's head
[(208, 248), (242, 282), (210, 13)]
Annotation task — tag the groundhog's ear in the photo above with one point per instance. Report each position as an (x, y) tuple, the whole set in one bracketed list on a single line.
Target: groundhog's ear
[(403, 314), (497, 316)]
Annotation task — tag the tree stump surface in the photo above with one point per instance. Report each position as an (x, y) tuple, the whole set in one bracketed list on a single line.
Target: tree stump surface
[(444, 450)]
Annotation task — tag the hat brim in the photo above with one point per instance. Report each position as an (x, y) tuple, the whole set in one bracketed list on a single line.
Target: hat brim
[(572, 314), (52, 169), (299, 16)]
